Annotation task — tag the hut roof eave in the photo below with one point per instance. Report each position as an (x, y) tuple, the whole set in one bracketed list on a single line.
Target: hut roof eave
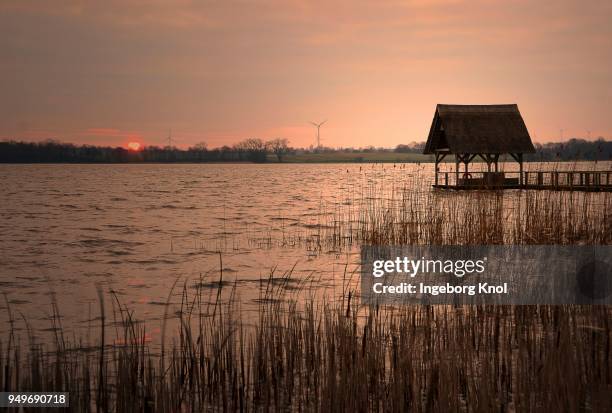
[(494, 129)]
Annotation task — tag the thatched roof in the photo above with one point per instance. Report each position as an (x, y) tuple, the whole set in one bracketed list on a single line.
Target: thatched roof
[(491, 129)]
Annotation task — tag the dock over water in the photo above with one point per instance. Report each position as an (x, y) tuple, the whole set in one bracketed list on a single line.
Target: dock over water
[(488, 132), (591, 181)]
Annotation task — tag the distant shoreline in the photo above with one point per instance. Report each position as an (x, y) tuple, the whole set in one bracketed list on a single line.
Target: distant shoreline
[(274, 151), (292, 162)]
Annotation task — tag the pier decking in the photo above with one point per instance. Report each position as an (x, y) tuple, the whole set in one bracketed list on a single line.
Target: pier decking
[(592, 181), (488, 132)]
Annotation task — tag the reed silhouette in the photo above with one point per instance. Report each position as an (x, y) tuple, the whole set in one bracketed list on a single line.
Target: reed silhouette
[(303, 354)]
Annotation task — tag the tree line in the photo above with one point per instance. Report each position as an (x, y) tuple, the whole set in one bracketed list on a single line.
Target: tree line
[(253, 150), (573, 150), (248, 150)]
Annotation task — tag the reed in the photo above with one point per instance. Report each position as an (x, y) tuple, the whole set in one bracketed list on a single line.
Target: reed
[(328, 357), (469, 218), (308, 355), (394, 209)]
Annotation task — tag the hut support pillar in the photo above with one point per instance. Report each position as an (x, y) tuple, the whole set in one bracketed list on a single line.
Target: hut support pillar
[(519, 158), (466, 158), (436, 171), (490, 159), (456, 169), (439, 157)]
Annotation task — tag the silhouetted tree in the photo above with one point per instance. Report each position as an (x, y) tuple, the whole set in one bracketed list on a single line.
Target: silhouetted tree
[(278, 147), (254, 148)]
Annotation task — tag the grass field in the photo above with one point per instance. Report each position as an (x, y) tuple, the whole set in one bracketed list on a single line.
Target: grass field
[(367, 157), (342, 157)]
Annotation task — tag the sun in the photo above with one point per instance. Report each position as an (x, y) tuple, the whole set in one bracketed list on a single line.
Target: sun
[(134, 146)]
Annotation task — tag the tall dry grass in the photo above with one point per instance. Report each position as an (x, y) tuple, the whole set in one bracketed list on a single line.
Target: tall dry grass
[(339, 356), (334, 357), (470, 218)]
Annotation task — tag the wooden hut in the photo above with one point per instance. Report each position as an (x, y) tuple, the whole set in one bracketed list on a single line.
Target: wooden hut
[(486, 131)]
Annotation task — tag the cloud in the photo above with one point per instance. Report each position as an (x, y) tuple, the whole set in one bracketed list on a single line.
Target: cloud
[(226, 70)]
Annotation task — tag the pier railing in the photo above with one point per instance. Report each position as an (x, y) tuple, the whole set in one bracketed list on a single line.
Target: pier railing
[(561, 180)]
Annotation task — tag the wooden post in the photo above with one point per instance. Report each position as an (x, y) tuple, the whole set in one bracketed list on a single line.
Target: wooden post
[(439, 158), (456, 169), (520, 157), (436, 171)]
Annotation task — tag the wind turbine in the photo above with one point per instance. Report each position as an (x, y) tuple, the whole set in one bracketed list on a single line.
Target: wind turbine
[(170, 139), (318, 125)]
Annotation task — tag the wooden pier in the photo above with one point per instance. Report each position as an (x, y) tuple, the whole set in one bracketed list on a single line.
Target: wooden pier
[(488, 132), (592, 181)]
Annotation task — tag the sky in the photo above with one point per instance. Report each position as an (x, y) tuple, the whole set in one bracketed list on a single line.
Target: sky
[(117, 71)]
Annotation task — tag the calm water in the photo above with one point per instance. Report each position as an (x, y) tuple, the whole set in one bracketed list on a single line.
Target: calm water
[(135, 229)]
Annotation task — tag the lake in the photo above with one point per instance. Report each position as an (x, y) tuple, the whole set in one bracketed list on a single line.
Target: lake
[(136, 229)]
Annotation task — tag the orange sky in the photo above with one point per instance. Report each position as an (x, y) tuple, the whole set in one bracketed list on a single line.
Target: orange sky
[(124, 70)]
